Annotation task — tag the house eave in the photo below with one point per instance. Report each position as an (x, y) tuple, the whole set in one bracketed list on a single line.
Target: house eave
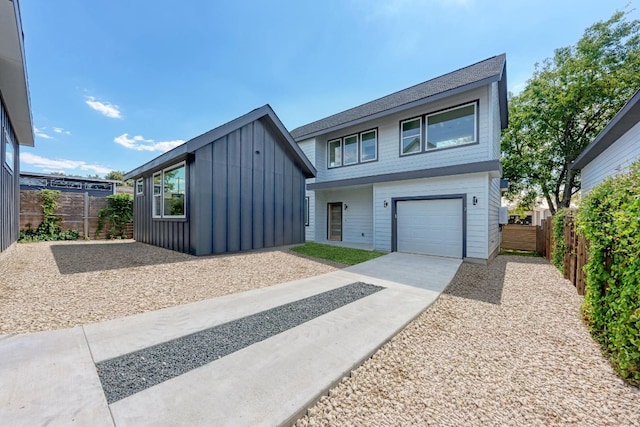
[(624, 120), (13, 76)]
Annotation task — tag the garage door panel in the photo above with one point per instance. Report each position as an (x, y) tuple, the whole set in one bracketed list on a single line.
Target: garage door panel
[(431, 227)]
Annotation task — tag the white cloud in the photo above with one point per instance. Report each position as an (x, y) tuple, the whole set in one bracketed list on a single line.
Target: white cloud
[(61, 130), (56, 165), (41, 134), (106, 109), (139, 143)]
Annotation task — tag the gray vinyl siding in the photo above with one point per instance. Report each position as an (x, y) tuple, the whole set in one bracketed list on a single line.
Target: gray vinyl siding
[(389, 158), (357, 219), (9, 185), (245, 192)]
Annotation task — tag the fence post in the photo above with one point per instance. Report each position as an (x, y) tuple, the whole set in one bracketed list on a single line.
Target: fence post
[(86, 214)]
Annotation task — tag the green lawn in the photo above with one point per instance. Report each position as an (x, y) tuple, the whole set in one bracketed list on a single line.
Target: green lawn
[(518, 253), (339, 254)]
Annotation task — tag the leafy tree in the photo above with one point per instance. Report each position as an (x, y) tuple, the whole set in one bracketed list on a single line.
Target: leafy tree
[(119, 176), (568, 101)]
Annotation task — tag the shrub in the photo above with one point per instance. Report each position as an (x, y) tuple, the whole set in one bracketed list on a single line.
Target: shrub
[(559, 246), (49, 228), (116, 215), (609, 217)]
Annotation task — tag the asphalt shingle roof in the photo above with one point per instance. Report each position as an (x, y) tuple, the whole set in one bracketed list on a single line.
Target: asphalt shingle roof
[(490, 69)]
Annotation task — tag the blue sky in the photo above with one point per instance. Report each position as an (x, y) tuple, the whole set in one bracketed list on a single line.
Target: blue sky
[(115, 83)]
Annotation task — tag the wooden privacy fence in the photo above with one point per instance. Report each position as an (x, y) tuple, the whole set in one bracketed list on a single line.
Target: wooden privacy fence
[(519, 237), (576, 249), (78, 211)]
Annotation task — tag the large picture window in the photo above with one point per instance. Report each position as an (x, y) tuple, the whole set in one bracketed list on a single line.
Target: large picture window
[(452, 127), (169, 192)]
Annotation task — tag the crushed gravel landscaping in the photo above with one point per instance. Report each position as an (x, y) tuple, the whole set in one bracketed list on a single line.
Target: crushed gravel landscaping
[(503, 346), (55, 285)]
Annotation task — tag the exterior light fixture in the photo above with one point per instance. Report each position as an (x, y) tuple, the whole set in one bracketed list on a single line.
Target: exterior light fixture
[(475, 200), (385, 204)]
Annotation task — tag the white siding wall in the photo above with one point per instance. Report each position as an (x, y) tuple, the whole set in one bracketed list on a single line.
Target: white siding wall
[(613, 160), (357, 219), (470, 184), (494, 114), (389, 159), (494, 198), (308, 147)]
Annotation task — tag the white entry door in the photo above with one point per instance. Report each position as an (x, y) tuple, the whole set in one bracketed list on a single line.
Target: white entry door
[(430, 227)]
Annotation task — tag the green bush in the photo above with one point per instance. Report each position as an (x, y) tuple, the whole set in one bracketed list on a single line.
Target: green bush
[(116, 215), (609, 217), (559, 246), (49, 228)]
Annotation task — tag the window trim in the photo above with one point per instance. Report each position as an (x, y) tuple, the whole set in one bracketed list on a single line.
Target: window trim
[(344, 145), (358, 136), (375, 158), (306, 211), (420, 134), (329, 153), (154, 195), (456, 107), (140, 188), (161, 195), (423, 132), (8, 142)]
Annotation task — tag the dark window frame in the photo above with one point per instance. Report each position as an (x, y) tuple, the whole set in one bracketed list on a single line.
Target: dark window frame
[(359, 160)]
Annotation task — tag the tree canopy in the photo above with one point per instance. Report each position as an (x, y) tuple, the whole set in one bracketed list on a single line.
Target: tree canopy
[(569, 99)]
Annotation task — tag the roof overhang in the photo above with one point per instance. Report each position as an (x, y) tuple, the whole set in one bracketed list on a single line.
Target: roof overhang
[(624, 120), (13, 74), (264, 113)]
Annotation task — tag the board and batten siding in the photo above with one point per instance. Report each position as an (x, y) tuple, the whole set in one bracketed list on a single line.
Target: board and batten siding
[(389, 159), (357, 219), (612, 161), (470, 184), (9, 185)]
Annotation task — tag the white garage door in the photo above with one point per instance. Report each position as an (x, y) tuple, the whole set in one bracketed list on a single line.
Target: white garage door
[(430, 227)]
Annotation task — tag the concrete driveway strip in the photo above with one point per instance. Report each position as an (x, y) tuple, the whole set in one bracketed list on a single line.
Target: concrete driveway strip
[(49, 378)]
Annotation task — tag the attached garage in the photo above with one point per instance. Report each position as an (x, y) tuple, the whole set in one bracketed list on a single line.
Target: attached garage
[(430, 226)]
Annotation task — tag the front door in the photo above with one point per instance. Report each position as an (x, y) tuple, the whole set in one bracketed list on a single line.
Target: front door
[(335, 221)]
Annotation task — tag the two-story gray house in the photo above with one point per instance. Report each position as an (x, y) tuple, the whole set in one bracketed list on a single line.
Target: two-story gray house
[(415, 171)]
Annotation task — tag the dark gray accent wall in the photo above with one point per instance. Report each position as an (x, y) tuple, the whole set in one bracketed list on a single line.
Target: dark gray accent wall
[(245, 191), (9, 185)]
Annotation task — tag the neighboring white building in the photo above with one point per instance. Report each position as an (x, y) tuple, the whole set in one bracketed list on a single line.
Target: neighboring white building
[(614, 149), (415, 171)]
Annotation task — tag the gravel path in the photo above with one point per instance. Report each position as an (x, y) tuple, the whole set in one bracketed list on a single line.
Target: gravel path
[(503, 346), (54, 285)]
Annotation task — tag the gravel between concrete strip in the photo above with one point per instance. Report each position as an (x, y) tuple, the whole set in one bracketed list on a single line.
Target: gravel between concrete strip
[(54, 285), (503, 346)]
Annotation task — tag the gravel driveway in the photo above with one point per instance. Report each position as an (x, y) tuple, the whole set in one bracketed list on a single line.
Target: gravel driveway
[(54, 285), (503, 346)]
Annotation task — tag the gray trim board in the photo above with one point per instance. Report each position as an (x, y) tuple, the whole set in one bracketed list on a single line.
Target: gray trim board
[(394, 217), (486, 166), (465, 79), (264, 113), (624, 120)]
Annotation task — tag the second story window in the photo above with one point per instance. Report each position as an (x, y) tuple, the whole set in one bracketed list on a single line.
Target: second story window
[(411, 136), (335, 153), (353, 149), (452, 127)]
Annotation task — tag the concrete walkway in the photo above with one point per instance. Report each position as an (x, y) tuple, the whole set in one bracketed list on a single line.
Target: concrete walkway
[(50, 378)]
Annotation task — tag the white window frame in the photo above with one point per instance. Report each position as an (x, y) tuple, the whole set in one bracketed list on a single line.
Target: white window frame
[(161, 195), (337, 164), (402, 137), (154, 195), (139, 187), (475, 126), (344, 150), (375, 144)]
